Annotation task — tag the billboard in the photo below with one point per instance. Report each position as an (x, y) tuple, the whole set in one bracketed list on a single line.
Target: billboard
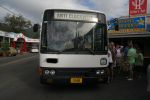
[(112, 23), (137, 7), (136, 24), (148, 23)]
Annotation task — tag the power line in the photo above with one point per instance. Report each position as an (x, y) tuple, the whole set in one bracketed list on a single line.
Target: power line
[(8, 10), (12, 12)]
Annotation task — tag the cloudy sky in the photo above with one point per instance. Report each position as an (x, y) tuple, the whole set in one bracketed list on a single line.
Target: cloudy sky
[(33, 9)]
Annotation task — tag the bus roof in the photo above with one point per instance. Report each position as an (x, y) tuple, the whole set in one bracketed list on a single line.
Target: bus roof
[(80, 10), (50, 13)]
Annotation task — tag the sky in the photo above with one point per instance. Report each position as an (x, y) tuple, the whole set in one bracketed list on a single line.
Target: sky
[(33, 9)]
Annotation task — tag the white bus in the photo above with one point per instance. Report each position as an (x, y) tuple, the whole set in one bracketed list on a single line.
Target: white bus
[(73, 46)]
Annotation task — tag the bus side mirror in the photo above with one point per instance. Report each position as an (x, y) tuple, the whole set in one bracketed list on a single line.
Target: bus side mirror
[(36, 27)]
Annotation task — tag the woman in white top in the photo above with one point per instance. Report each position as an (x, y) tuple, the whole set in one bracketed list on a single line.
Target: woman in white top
[(110, 71)]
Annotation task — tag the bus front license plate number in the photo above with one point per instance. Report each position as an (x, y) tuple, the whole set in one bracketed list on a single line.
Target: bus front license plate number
[(76, 80)]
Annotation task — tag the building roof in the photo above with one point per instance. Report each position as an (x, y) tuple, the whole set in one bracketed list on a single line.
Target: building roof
[(124, 35)]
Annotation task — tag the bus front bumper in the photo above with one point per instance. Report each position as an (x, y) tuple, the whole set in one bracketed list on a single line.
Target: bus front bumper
[(73, 75)]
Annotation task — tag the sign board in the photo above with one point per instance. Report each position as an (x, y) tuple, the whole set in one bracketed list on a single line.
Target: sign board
[(136, 24), (111, 24), (129, 25), (75, 16), (148, 19), (148, 23), (137, 7)]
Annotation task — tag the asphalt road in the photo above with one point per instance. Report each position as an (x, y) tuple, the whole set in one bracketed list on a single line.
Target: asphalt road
[(19, 81)]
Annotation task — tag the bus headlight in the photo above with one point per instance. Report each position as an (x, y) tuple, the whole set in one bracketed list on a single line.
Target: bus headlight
[(100, 72), (46, 72), (52, 72), (103, 61)]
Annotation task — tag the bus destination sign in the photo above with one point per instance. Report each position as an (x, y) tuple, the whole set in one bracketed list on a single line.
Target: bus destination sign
[(76, 16)]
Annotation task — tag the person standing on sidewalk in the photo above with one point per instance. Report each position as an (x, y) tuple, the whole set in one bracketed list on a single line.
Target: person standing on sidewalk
[(110, 66), (139, 63), (131, 59)]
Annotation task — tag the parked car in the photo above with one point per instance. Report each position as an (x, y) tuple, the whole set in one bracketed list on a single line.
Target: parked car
[(34, 50), (12, 51)]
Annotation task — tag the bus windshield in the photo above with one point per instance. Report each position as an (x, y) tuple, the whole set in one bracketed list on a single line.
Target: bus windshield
[(72, 37)]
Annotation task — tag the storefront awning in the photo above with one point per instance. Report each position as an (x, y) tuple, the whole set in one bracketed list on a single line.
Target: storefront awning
[(126, 35)]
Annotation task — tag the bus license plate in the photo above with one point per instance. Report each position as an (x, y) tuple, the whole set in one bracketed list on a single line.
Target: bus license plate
[(76, 80)]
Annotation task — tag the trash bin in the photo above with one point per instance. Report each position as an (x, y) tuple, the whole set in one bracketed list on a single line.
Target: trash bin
[(148, 76)]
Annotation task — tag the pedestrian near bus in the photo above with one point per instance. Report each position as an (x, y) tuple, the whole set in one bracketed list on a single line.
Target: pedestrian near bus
[(131, 59), (138, 63), (113, 52), (110, 66), (125, 51), (118, 57)]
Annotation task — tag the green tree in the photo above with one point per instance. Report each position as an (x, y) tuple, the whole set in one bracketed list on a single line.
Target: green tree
[(5, 46), (17, 23)]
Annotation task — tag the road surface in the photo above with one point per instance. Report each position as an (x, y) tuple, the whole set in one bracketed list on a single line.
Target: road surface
[(19, 81)]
